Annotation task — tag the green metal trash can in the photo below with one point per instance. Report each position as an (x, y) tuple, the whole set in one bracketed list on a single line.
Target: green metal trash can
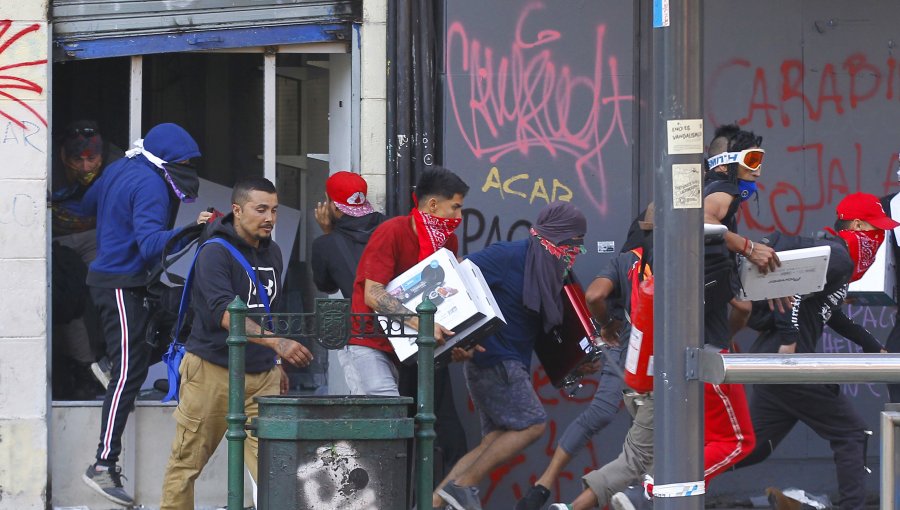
[(336, 452)]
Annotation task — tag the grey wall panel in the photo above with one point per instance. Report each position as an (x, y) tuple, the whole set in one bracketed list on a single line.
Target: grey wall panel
[(819, 80), (538, 106)]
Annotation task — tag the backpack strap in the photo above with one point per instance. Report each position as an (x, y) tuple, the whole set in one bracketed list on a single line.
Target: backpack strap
[(175, 352), (239, 257)]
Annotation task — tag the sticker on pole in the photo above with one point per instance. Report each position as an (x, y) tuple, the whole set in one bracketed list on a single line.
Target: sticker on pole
[(687, 187), (660, 13), (685, 136)]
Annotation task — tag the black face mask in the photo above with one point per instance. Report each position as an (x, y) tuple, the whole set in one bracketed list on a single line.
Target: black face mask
[(183, 179)]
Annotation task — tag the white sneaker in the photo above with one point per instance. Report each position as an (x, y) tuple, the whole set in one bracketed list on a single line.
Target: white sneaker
[(102, 371)]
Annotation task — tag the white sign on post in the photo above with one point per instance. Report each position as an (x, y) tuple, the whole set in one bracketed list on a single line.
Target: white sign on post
[(687, 187), (685, 136)]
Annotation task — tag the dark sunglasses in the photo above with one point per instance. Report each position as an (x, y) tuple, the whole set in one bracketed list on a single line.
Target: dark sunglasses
[(86, 132)]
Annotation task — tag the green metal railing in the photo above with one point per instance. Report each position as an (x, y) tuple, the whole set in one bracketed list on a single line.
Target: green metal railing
[(330, 326)]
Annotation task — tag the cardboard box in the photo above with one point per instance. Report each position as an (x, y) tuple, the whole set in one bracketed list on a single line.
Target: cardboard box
[(877, 286), (464, 303), (802, 271)]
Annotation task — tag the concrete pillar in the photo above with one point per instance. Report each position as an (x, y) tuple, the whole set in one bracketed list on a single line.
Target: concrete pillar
[(24, 144), (373, 104)]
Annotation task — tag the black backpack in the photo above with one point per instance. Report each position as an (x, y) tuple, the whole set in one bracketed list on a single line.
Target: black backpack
[(165, 297)]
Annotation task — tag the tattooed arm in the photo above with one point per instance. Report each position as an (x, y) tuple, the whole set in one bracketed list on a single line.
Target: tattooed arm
[(378, 299), (288, 350)]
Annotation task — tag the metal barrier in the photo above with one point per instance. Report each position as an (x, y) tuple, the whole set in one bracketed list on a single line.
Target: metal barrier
[(713, 367), (330, 326), (816, 368)]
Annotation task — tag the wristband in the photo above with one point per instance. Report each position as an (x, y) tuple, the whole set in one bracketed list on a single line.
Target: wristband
[(751, 249), (746, 242)]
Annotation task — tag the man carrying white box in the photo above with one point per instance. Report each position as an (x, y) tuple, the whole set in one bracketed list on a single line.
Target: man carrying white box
[(369, 363)]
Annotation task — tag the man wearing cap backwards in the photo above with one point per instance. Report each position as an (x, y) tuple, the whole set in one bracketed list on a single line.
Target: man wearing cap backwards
[(526, 278), (134, 201), (369, 363), (347, 221), (83, 155), (776, 408)]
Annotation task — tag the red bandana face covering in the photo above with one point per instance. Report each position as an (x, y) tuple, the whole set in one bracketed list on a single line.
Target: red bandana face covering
[(565, 252), (863, 244), (433, 231)]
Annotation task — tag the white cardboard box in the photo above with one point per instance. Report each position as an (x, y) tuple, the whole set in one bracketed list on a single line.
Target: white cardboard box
[(802, 271), (464, 302), (876, 287)]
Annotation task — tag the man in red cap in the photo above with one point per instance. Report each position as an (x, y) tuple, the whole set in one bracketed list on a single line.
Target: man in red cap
[(347, 220), (776, 408)]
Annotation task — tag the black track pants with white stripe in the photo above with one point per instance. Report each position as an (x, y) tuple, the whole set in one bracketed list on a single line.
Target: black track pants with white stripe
[(123, 316)]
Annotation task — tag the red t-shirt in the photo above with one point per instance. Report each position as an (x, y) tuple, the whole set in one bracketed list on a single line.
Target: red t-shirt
[(392, 249)]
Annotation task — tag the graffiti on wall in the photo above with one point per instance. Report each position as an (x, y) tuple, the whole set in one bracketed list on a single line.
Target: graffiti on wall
[(20, 56), (336, 479), (526, 97), (530, 120), (807, 179)]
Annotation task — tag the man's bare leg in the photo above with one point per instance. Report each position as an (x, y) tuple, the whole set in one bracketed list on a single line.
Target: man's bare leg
[(585, 501), (463, 464), (559, 462), (505, 447)]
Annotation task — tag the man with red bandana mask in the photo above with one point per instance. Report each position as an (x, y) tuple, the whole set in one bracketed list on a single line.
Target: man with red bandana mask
[(370, 365), (776, 408), (526, 278)]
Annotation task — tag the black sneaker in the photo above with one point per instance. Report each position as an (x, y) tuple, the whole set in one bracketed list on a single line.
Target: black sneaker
[(108, 483), (534, 499), (460, 498), (632, 498)]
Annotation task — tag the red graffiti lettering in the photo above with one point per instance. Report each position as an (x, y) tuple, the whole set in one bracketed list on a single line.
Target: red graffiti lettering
[(863, 81), (788, 206), (10, 82)]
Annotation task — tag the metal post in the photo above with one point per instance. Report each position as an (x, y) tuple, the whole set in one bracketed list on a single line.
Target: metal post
[(403, 135), (425, 405), (676, 81), (390, 129), (889, 419), (236, 418)]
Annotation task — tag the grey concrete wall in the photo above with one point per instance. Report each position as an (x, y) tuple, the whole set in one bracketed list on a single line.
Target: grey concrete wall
[(540, 95)]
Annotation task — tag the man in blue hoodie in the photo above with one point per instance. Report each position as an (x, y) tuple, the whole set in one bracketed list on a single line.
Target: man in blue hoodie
[(135, 201)]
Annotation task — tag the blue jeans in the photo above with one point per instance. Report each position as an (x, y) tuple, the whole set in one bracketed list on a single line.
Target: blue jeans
[(369, 371), (603, 408)]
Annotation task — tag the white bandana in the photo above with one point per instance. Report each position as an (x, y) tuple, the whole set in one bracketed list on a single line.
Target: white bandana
[(139, 149)]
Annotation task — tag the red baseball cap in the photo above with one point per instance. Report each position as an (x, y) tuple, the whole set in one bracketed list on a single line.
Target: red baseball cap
[(348, 192), (866, 207)]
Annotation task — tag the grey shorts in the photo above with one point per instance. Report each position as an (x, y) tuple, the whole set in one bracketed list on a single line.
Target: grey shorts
[(504, 396)]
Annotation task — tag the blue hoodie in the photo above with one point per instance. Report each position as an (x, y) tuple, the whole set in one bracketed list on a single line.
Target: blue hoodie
[(132, 202)]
